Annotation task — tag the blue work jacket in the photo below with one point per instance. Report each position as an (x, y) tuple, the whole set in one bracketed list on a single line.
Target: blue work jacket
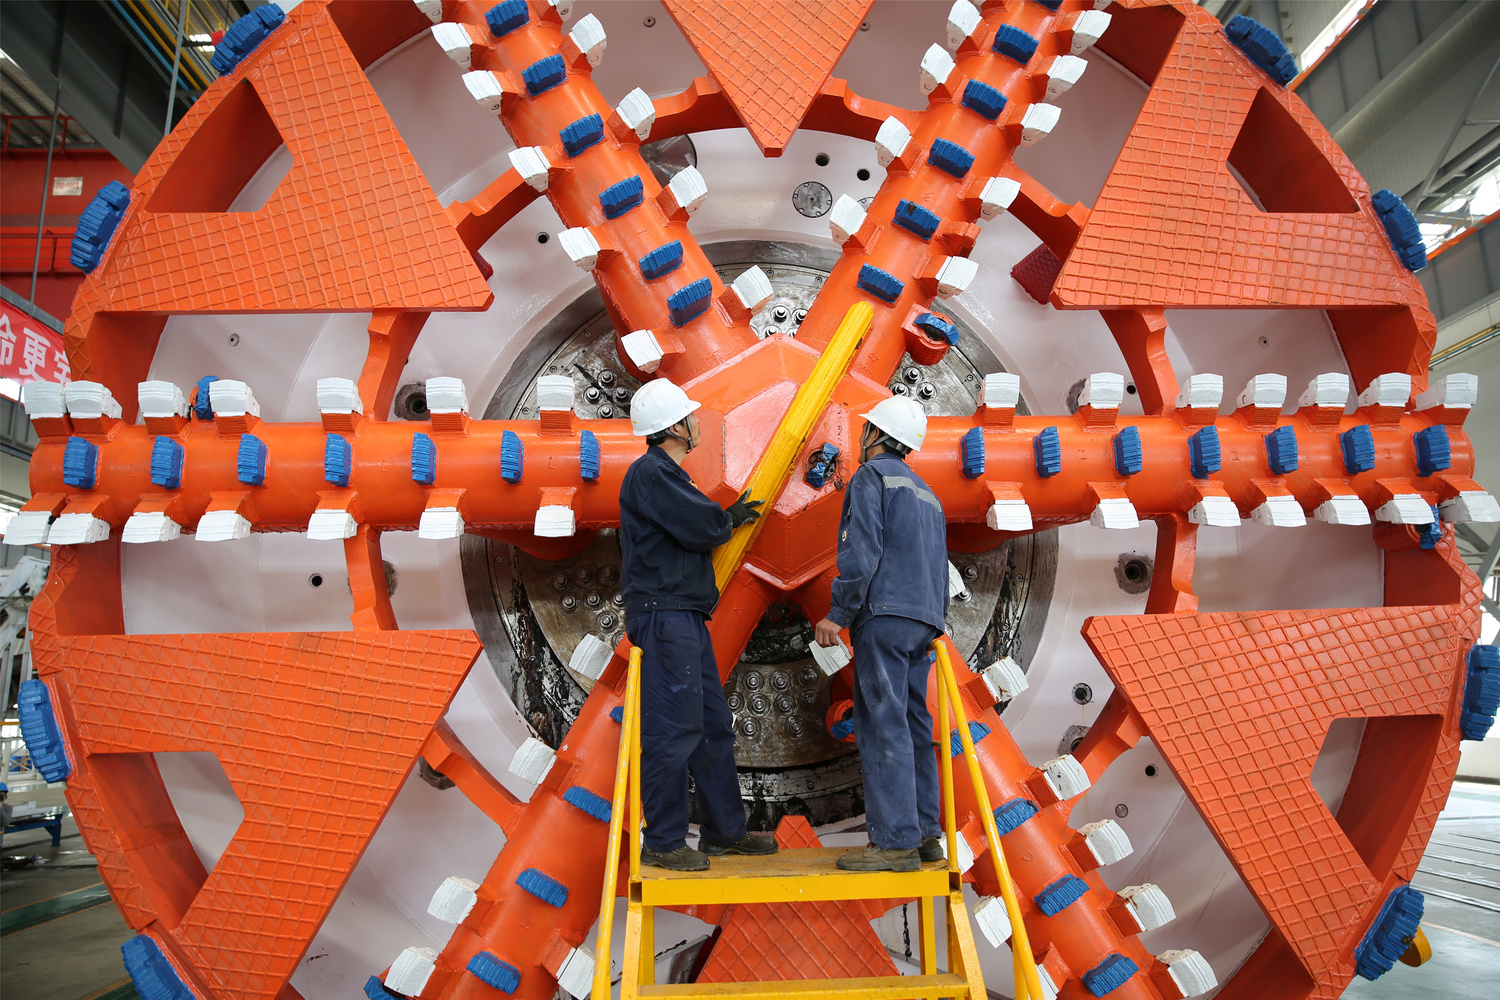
[(893, 547), (668, 531)]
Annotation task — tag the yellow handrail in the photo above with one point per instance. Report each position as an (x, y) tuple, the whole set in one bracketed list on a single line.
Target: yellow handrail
[(1028, 985), (629, 750)]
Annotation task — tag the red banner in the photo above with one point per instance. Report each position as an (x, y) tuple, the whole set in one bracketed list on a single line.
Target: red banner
[(29, 351)]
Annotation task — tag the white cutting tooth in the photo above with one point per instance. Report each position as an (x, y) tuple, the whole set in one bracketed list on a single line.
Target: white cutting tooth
[(1190, 971), (1215, 512), (564, 8), (1088, 27), (993, 921), (1106, 841), (554, 392), (161, 399), (338, 395), (1403, 508), (936, 66), (1280, 512), (1001, 390), (77, 529), (44, 400), (554, 521), (1039, 121), (446, 394), (485, 88), (1329, 390), (232, 398), (588, 35), (532, 164), (955, 276), (590, 657), (1458, 391), (1062, 73), (150, 526), (1005, 679), (532, 760), (955, 582), (848, 215), (1103, 391), (28, 527), (1008, 515), (688, 188), (411, 970), (1065, 777), (891, 141), (440, 522), (222, 526), (998, 195), (454, 899), (1202, 392), (1470, 505), (962, 20), (1265, 392), (753, 288), (643, 350), (580, 246), (91, 400), (1343, 509), (1115, 512), (576, 973), (331, 525), (1148, 905), (1390, 389), (455, 41), (433, 9), (637, 112)]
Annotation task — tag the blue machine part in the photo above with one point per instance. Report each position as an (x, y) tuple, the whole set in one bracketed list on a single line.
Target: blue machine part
[(1015, 43), (250, 462), (939, 328), (1401, 229), (1109, 975), (821, 465), (512, 457), (97, 225), (80, 463), (203, 407), (621, 196), (423, 459), (1263, 47), (1391, 934), (543, 887), (1047, 447), (1429, 534), (544, 74), (39, 730), (916, 219), (501, 975), (1281, 450), (1203, 452), (841, 729), (882, 284), (1012, 814), (1434, 453), (1061, 894), (982, 99), (950, 156), (1481, 692), (663, 260), (244, 36), (375, 989), (1358, 445), (618, 714), (588, 457), (977, 732), (166, 463), (503, 18), (338, 458), (582, 134), (596, 806), (971, 452), (1128, 455), (149, 970), (690, 301)]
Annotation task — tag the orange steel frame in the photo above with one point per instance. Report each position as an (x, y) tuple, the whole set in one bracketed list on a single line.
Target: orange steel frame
[(240, 932)]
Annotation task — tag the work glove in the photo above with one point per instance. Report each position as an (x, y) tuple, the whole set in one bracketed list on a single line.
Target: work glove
[(743, 511)]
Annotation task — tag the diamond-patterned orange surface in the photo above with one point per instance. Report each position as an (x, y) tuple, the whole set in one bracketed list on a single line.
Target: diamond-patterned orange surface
[(772, 64)]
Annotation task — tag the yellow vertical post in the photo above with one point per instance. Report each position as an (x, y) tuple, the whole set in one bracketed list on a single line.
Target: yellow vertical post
[(950, 818), (617, 808)]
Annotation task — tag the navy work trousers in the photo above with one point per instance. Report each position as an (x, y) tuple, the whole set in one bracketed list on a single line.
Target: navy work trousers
[(893, 728), (686, 728)]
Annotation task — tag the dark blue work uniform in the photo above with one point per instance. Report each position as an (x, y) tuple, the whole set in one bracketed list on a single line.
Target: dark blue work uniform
[(668, 531), (892, 593)]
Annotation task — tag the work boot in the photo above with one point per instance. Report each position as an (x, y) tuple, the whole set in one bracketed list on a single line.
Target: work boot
[(878, 859), (684, 859), (750, 843), (931, 849)]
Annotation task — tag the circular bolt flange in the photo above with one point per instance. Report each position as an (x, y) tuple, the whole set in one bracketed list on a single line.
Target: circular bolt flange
[(1133, 573)]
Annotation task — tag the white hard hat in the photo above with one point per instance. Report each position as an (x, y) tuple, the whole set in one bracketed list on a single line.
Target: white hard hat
[(902, 418), (658, 405)]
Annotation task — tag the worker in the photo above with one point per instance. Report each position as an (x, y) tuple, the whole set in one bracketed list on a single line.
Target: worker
[(892, 594), (668, 531), (6, 810)]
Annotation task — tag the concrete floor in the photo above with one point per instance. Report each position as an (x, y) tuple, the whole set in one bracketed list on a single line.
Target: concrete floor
[(70, 948)]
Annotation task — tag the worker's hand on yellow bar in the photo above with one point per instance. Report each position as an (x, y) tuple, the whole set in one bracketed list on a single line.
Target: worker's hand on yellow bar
[(826, 633), (743, 511)]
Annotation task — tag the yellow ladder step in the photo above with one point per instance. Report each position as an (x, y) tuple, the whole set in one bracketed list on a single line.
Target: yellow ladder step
[(874, 988), (802, 875)]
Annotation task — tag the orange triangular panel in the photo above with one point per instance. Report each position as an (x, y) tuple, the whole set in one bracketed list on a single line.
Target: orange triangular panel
[(771, 59)]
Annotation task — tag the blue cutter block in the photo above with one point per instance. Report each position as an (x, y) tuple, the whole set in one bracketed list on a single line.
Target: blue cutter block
[(1401, 229), (977, 732), (149, 970), (581, 798), (375, 989), (1429, 534), (1358, 445), (821, 465), (618, 714), (1128, 455), (1281, 450), (39, 730), (950, 157), (512, 457), (621, 197), (1015, 43), (1434, 453), (1263, 47), (244, 36), (1047, 449), (1481, 692), (1109, 975), (543, 887), (939, 328), (1391, 934), (916, 219), (882, 284), (982, 99), (1012, 814), (843, 728), (1061, 894), (501, 975), (663, 260), (1203, 452), (80, 463), (166, 463), (689, 302), (97, 225), (544, 74), (250, 462), (503, 18), (203, 406), (971, 452), (582, 134), (338, 459), (423, 460), (588, 457)]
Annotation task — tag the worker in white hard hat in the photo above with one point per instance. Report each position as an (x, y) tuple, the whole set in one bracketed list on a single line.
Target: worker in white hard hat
[(668, 531), (892, 595)]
